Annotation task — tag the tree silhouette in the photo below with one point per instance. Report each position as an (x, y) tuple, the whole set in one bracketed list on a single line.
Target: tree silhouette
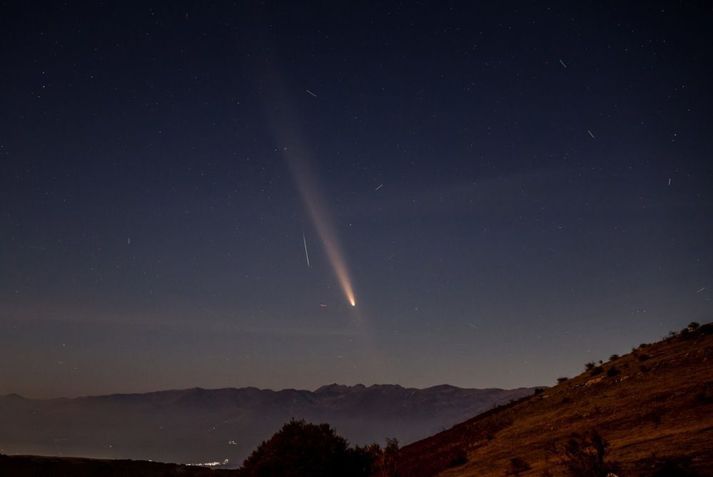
[(301, 449)]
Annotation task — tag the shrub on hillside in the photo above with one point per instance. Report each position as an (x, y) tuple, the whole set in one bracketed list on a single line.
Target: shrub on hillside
[(562, 379), (457, 457), (655, 416), (585, 456), (590, 365), (693, 330), (518, 466), (596, 370), (705, 395), (301, 449), (674, 467), (613, 371)]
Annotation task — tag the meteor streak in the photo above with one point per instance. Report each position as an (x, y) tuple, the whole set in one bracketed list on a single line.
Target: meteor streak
[(304, 241)]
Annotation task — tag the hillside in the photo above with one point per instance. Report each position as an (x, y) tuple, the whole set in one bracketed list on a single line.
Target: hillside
[(200, 425), (652, 405)]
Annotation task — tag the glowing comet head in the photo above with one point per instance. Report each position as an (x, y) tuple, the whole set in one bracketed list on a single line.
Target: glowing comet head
[(353, 302)]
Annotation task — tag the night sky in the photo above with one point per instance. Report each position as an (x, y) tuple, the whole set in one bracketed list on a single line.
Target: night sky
[(511, 189)]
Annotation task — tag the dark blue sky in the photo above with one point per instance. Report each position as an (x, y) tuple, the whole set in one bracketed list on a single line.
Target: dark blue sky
[(517, 188)]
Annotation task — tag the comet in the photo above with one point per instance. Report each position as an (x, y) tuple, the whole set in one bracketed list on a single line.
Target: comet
[(328, 236), (315, 204), (285, 125)]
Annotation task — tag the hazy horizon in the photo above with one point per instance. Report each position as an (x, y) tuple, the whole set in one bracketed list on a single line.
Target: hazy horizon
[(550, 368)]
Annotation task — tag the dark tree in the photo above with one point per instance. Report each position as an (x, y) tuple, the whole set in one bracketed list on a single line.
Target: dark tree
[(301, 449), (391, 452)]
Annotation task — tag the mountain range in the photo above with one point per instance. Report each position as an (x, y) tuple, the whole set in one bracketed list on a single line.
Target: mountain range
[(222, 426)]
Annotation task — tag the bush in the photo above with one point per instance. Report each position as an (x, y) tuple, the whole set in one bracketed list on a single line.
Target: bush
[(644, 357), (458, 457), (589, 366), (613, 371), (518, 466), (596, 370), (655, 416), (613, 357), (674, 467), (301, 449), (562, 379), (584, 456), (705, 395), (691, 331)]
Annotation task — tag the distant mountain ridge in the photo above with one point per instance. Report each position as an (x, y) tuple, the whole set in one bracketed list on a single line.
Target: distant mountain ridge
[(205, 425)]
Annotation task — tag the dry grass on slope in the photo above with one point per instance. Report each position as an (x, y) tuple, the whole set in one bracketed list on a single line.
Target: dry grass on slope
[(652, 405)]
